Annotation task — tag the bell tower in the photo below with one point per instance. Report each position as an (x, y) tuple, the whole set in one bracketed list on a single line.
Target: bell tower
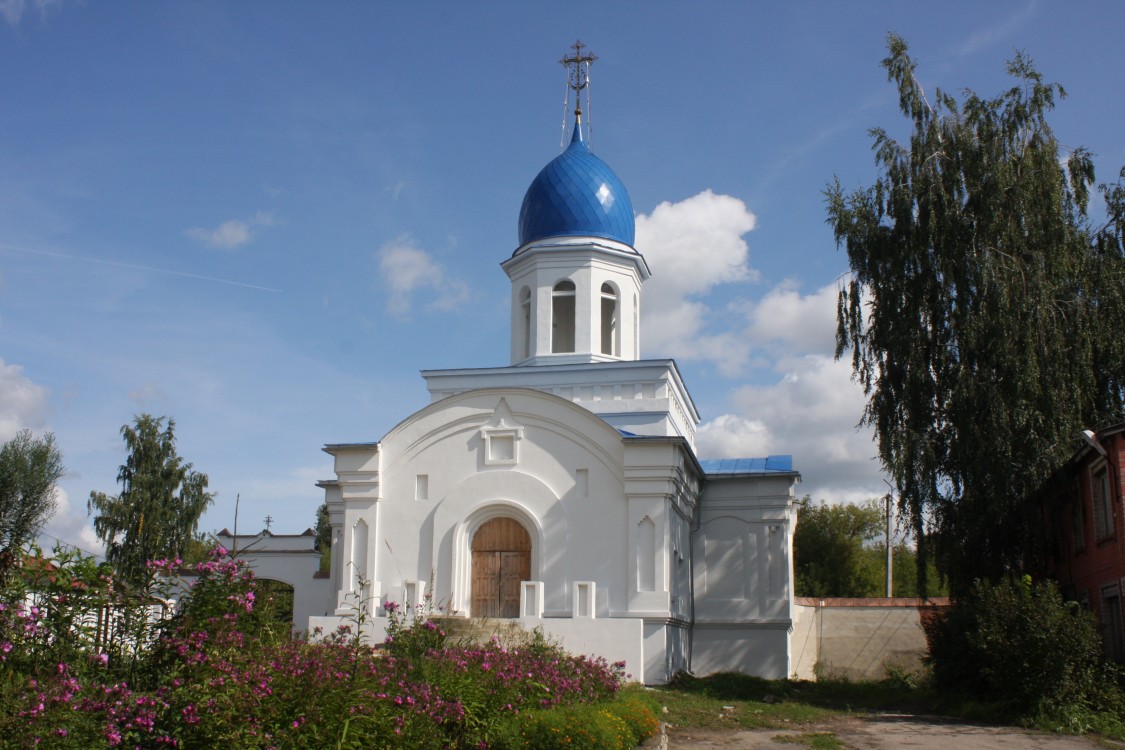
[(576, 277)]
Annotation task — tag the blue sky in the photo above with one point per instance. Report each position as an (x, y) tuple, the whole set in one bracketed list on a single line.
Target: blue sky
[(264, 218)]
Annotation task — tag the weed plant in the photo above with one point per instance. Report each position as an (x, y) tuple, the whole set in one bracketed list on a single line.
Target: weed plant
[(84, 665)]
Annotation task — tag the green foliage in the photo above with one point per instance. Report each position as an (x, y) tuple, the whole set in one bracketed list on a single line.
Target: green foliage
[(731, 699), (977, 312), (411, 631), (582, 727), (156, 515), (840, 550), (29, 469), (219, 672), (1022, 650), (324, 536), (829, 557), (815, 740), (639, 712)]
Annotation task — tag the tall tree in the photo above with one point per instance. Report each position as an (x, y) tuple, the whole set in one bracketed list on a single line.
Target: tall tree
[(29, 469), (324, 536), (840, 550), (829, 553), (983, 313), (157, 512)]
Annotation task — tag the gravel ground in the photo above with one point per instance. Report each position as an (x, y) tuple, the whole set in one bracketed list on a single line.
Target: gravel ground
[(885, 732)]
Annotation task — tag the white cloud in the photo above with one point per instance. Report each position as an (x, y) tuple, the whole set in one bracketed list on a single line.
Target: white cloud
[(12, 10), (23, 404), (810, 413), (798, 323), (991, 36), (806, 404), (148, 394), (732, 436), (692, 246), (407, 269), (233, 233), (802, 402), (71, 526)]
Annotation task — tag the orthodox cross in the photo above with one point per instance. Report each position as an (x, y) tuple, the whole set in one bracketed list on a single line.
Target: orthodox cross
[(268, 521), (578, 73)]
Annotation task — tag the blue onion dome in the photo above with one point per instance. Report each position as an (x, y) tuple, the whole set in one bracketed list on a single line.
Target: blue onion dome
[(577, 194)]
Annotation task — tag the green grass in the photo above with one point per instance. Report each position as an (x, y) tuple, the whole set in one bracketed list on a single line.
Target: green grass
[(814, 740), (734, 701), (737, 701)]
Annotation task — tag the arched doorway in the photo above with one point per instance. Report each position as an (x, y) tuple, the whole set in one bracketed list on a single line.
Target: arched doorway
[(501, 561), (275, 598)]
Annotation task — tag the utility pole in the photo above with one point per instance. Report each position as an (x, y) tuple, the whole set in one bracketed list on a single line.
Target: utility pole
[(888, 498), (234, 543)]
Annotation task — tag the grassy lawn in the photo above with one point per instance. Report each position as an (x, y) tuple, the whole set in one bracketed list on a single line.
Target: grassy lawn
[(736, 701), (732, 701)]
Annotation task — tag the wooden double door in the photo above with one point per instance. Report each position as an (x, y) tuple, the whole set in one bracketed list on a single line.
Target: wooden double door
[(501, 561)]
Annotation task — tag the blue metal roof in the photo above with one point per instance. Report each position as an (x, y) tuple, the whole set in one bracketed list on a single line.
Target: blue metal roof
[(577, 194), (747, 465)]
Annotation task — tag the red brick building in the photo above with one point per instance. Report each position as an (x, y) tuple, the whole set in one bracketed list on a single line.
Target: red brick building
[(1091, 526)]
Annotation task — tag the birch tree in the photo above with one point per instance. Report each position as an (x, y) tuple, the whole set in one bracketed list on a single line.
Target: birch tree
[(983, 315), (162, 498)]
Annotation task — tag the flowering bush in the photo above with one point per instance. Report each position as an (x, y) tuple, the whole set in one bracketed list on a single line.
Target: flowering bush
[(412, 635), (220, 670), (573, 728)]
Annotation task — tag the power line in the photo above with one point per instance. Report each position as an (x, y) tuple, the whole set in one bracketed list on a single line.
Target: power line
[(71, 544)]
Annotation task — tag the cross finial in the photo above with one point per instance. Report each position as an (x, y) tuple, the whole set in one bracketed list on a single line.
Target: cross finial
[(268, 521), (578, 73)]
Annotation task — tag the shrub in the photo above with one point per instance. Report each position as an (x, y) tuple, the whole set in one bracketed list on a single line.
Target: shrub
[(581, 727), (221, 672), (412, 635), (1020, 647), (639, 717)]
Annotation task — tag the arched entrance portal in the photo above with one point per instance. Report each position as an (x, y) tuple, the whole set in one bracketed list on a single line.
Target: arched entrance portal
[(501, 561)]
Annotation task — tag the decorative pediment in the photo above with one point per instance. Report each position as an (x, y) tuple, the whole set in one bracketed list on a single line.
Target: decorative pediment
[(501, 437)]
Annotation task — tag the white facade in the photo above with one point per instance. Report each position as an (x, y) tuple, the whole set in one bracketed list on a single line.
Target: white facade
[(564, 489), (607, 278), (291, 559), (635, 553)]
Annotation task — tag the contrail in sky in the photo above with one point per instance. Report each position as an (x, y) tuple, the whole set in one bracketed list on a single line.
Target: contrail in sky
[(136, 267)]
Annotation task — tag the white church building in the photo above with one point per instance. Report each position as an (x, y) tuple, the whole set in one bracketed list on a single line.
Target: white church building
[(564, 490)]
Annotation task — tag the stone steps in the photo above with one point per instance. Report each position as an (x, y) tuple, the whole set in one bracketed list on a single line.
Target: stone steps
[(480, 630)]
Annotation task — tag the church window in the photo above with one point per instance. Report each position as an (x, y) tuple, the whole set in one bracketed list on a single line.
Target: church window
[(422, 487), (359, 554), (525, 323), (1103, 503), (609, 321), (562, 317), (501, 446), (646, 555), (1078, 521), (636, 327)]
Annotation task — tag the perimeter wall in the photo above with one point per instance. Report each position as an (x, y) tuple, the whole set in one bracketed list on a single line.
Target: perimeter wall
[(858, 639)]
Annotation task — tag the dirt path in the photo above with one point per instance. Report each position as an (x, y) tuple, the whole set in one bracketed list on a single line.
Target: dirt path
[(886, 732)]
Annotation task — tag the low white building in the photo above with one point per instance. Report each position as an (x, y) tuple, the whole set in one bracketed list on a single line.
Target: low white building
[(291, 559), (564, 489)]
